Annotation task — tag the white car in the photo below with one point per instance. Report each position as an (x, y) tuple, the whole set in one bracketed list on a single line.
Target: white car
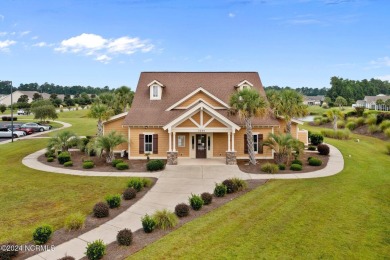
[(7, 133), (37, 127), (21, 112)]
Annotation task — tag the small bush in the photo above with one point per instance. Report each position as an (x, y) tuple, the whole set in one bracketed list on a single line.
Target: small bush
[(122, 166), (182, 210), (165, 219), (385, 125), (312, 148), (42, 234), (50, 159), (196, 202), (324, 120), (113, 201), (315, 162), (316, 139), (136, 183), (269, 168), (116, 161), (381, 117), (96, 250), (351, 125), (148, 223), (146, 182), (220, 190), (317, 121), (296, 167), (207, 198), (155, 165), (88, 165), (340, 124), (75, 221), (8, 250), (230, 185), (282, 167), (296, 161), (124, 237), (50, 153), (323, 149), (129, 193), (101, 210), (387, 132), (373, 129), (241, 184), (360, 121), (339, 134), (63, 157), (68, 164), (371, 119)]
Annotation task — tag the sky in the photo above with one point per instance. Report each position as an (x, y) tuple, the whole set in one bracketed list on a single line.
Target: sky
[(296, 43)]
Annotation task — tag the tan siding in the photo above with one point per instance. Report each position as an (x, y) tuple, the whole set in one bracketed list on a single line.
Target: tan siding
[(183, 151), (187, 123), (282, 129), (116, 125), (239, 142), (206, 117), (196, 117), (303, 137), (197, 96), (220, 143), (163, 141), (215, 123)]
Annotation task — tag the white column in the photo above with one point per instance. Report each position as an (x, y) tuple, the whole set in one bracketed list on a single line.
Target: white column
[(228, 141), (170, 141), (174, 141), (233, 141)]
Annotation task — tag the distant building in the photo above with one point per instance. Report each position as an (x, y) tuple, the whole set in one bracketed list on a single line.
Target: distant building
[(370, 102), (313, 100), (6, 100)]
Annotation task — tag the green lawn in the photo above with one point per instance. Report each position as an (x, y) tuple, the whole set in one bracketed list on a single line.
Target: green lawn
[(30, 198), (317, 110), (345, 216)]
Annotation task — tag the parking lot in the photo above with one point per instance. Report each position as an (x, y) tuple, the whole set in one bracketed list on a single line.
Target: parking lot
[(4, 123)]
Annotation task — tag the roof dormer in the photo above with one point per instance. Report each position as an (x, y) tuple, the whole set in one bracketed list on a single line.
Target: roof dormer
[(155, 88), (244, 85)]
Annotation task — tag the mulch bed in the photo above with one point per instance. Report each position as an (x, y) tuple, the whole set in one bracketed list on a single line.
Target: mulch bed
[(246, 167), (62, 235), (142, 239), (100, 163)]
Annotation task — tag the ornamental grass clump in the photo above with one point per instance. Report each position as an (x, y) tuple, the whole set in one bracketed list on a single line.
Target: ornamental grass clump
[(165, 219), (241, 184), (269, 168), (75, 221)]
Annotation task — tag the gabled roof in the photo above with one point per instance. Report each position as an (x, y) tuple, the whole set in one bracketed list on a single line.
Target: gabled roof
[(178, 85), (373, 99)]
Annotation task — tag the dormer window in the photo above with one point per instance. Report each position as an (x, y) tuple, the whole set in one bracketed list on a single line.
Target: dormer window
[(155, 90), (244, 85)]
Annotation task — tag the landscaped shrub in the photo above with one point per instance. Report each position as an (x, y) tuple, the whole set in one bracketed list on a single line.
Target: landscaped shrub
[(387, 132), (122, 166), (381, 117), (374, 129), (296, 167), (269, 168), (182, 210), (155, 165), (220, 190), (113, 201), (50, 159), (116, 161), (136, 183), (129, 193), (316, 139), (312, 148), (50, 153), (315, 161), (101, 210), (96, 250), (282, 167), (148, 223), (241, 184), (207, 198), (317, 121), (323, 149), (230, 185), (75, 221), (68, 164), (324, 120), (8, 250), (165, 219), (42, 234), (371, 119), (296, 161), (340, 124), (146, 182), (384, 125), (351, 125), (196, 202), (124, 237), (339, 134), (88, 165), (360, 121), (63, 157)]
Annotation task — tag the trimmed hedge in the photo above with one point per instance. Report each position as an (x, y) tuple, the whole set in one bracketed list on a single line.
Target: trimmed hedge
[(315, 161), (116, 161), (296, 167), (316, 139), (296, 161), (63, 157), (88, 165), (50, 159), (155, 165), (323, 149), (282, 167), (42, 234), (68, 164), (122, 166)]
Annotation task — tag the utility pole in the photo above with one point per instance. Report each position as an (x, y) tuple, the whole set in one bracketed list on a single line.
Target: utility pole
[(12, 114)]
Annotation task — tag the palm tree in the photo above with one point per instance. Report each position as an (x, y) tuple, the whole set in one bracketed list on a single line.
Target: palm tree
[(124, 97), (287, 104), (63, 141), (248, 104), (107, 143), (101, 112), (282, 144), (334, 115)]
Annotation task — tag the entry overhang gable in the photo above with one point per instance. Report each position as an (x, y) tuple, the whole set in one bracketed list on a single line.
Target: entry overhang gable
[(198, 107)]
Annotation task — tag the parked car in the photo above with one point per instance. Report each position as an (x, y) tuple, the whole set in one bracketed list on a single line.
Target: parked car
[(7, 133), (37, 127), (21, 112), (18, 127)]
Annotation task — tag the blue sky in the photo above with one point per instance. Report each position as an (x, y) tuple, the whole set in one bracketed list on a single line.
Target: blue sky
[(289, 42)]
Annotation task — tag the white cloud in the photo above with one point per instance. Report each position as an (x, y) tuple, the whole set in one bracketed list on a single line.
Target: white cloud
[(24, 33), (232, 15), (34, 38), (381, 62), (96, 45), (3, 34), (384, 77), (5, 44), (42, 44)]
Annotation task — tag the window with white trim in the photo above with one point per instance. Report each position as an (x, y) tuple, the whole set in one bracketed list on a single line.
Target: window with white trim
[(181, 141), (148, 144), (155, 91)]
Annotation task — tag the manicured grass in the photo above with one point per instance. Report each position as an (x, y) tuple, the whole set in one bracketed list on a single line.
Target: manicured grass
[(81, 124), (345, 216), (30, 198), (317, 110)]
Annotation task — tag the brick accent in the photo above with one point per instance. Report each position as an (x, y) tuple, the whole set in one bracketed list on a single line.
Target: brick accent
[(172, 158), (231, 158)]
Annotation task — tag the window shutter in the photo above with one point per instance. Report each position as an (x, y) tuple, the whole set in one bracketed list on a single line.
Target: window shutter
[(245, 144), (155, 144), (141, 144), (260, 140)]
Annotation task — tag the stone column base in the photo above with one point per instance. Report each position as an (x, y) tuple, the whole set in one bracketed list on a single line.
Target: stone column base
[(231, 158), (172, 158)]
